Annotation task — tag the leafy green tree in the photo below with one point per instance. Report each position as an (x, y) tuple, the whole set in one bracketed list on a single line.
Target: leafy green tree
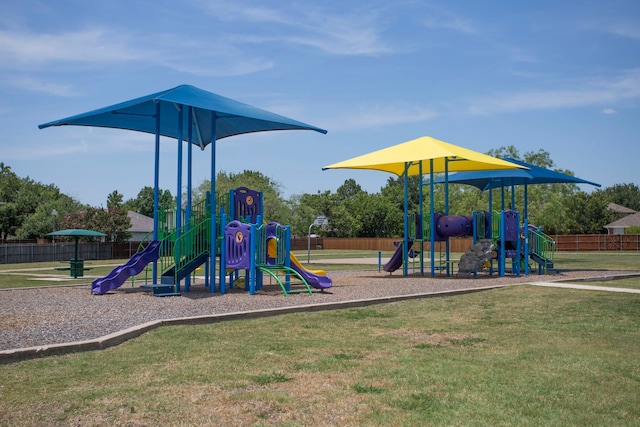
[(143, 203), (548, 203), (87, 218), (634, 229), (394, 192), (10, 184), (306, 207), (627, 195), (376, 215), (275, 207), (115, 221), (343, 221), (33, 206), (349, 190), (47, 217), (302, 215), (586, 213), (350, 211)]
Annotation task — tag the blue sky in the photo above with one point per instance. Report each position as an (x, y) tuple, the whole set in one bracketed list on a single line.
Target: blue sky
[(561, 76)]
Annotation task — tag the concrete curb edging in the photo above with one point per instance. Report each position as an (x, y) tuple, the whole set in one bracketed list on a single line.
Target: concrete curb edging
[(116, 338), (585, 287)]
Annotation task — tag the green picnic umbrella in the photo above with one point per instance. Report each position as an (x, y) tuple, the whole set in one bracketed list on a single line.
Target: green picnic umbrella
[(76, 233)]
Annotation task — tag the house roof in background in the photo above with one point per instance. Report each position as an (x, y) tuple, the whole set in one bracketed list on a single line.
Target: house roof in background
[(140, 223), (619, 208), (627, 221)]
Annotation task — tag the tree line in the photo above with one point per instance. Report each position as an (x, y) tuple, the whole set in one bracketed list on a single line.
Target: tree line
[(30, 210)]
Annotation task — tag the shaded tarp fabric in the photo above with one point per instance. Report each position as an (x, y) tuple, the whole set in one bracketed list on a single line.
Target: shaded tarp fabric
[(426, 149), (507, 178), (230, 117)]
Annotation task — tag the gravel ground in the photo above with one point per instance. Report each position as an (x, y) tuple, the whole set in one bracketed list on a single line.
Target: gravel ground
[(56, 315)]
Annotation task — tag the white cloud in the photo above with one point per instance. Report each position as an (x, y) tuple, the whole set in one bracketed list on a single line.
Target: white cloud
[(624, 29), (609, 111), (100, 47), (454, 24), (347, 32), (96, 45), (580, 94), (36, 85), (375, 117)]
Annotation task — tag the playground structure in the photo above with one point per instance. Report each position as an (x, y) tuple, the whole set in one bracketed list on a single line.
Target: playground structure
[(242, 241), (497, 237), (199, 118), (426, 156)]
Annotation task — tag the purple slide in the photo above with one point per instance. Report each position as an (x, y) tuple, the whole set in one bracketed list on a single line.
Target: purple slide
[(120, 274), (317, 281), (396, 260)]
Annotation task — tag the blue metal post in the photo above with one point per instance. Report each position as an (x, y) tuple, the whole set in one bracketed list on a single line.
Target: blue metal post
[(187, 279), (491, 222), (432, 220), (446, 209), (526, 231), (405, 241), (214, 229), (502, 252), (177, 249), (223, 257), (156, 191), (419, 225), (519, 248)]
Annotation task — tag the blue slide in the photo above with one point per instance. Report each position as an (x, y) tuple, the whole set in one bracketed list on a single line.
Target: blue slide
[(134, 266)]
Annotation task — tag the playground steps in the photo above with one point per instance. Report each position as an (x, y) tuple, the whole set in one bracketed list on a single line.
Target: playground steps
[(544, 264), (170, 277), (162, 290)]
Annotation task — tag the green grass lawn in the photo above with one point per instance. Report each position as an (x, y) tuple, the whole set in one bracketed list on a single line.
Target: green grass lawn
[(519, 355), (48, 273)]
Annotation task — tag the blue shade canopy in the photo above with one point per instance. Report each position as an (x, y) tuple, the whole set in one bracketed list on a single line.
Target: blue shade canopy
[(229, 117), (510, 177)]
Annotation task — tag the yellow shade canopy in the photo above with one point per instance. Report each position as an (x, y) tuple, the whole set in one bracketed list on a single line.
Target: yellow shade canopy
[(393, 159)]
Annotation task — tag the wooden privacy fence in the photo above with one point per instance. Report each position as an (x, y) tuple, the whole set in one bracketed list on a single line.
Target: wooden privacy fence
[(597, 242), (16, 253), (570, 242)]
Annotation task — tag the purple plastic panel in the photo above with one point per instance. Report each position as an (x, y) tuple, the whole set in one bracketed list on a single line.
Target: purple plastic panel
[(237, 241), (511, 227), (247, 203), (271, 230), (454, 226)]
